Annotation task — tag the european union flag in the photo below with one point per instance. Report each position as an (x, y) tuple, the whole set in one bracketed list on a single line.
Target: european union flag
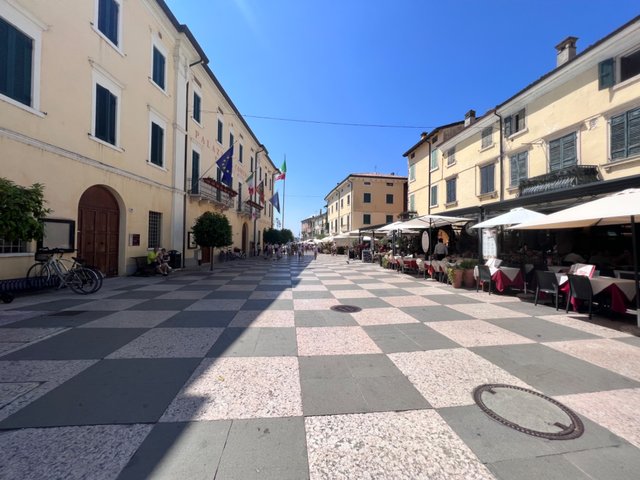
[(275, 201), (225, 164)]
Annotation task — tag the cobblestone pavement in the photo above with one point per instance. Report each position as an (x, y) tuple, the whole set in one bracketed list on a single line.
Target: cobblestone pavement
[(245, 372)]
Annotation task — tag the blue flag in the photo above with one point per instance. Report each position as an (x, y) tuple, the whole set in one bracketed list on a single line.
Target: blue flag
[(225, 164), (275, 201)]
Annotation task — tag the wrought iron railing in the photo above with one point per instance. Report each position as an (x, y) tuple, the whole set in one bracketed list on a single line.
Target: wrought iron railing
[(559, 180), (213, 191)]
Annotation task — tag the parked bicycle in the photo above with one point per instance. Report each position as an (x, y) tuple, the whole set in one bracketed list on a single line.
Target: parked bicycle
[(71, 273)]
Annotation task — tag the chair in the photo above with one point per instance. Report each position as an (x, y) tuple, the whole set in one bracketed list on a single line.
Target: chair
[(400, 264), (547, 282), (626, 275), (580, 289), (484, 275), (422, 268)]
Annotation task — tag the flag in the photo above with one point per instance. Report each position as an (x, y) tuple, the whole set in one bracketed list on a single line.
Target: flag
[(283, 172), (225, 164), (260, 191), (251, 184), (275, 201)]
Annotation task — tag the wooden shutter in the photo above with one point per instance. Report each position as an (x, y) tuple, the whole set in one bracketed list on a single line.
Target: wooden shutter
[(633, 132), (555, 155), (158, 67), (197, 107), (507, 126), (106, 111), (157, 140), (569, 155), (108, 19), (16, 54), (606, 74), (195, 172), (618, 137)]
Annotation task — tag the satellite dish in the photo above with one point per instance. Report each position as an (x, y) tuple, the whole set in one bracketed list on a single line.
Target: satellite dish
[(425, 241)]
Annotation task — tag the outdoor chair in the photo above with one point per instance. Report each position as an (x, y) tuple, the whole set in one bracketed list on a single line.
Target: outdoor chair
[(547, 282), (484, 276), (580, 289), (400, 264), (422, 268), (626, 275)]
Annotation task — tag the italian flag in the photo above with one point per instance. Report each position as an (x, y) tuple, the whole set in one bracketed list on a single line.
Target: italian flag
[(283, 172), (251, 184)]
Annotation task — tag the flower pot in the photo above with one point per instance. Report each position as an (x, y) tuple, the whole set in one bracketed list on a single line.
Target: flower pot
[(456, 278), (468, 279)]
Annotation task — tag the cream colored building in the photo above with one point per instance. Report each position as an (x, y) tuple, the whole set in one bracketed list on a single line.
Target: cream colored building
[(363, 200), (314, 226), (571, 134), (99, 108)]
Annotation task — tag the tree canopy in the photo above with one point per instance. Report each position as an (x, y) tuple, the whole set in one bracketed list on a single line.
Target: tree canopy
[(272, 235), (212, 229), (21, 208)]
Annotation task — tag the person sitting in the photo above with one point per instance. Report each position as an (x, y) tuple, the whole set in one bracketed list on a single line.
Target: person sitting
[(440, 251), (154, 260), (164, 262)]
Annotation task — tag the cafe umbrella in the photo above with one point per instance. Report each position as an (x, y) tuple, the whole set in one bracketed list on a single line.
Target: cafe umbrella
[(616, 209)]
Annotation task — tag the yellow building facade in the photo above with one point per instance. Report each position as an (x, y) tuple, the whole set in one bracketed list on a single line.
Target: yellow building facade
[(99, 108)]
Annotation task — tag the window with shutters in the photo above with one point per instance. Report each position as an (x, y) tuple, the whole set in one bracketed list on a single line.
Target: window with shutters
[(220, 131), (348, 200), (434, 160), (451, 156), (487, 137), (514, 123), (158, 67), (367, 198), (390, 198), (195, 172), (197, 107), (412, 172), (451, 190), (16, 64), (106, 115), (366, 219), (629, 65), (434, 196), (389, 219), (487, 179), (240, 152), (625, 135), (518, 164), (231, 139), (563, 152), (109, 20), (157, 145)]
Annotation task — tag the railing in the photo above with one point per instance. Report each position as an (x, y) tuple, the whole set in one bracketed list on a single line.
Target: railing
[(559, 180), (213, 191)]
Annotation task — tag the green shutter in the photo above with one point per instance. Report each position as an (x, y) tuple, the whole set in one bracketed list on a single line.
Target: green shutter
[(16, 58), (507, 126), (108, 11), (633, 135), (569, 155), (618, 136), (514, 170), (197, 107), (606, 74), (555, 155), (195, 172), (157, 140), (106, 111), (219, 131), (158, 68)]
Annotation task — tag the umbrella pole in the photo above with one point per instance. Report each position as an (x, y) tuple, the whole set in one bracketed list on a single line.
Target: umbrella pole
[(635, 267)]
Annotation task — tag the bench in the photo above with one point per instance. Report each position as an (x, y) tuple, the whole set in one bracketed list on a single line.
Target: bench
[(143, 269)]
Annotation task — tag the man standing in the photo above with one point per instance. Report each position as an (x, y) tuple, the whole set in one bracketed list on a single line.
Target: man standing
[(440, 251)]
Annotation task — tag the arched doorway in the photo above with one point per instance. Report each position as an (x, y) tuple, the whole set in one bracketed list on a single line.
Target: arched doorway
[(99, 229), (245, 238)]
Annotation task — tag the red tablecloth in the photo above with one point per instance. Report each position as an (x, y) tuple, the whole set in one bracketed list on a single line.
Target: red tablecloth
[(503, 282), (619, 300)]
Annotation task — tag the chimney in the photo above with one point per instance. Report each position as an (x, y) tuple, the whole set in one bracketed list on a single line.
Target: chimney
[(423, 135), (469, 117), (566, 50)]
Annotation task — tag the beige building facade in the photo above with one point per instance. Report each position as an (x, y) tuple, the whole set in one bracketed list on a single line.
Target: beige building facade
[(314, 226), (364, 200), (108, 104)]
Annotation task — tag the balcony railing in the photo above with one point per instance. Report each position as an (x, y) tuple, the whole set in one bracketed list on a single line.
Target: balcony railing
[(559, 180), (211, 190), (250, 209)]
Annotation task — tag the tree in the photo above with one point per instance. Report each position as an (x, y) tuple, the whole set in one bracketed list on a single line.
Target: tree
[(286, 235), (271, 235), (212, 230), (21, 208)]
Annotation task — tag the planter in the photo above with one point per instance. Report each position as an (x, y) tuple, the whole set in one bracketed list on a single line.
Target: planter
[(455, 276), (468, 279)]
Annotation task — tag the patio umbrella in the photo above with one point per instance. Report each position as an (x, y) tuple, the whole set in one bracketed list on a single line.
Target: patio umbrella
[(430, 221), (512, 217), (619, 208)]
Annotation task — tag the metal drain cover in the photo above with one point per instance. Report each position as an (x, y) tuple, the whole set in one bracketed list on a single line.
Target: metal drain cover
[(346, 308), (528, 412)]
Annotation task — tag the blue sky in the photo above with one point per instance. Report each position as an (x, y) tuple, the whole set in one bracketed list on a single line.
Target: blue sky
[(416, 63)]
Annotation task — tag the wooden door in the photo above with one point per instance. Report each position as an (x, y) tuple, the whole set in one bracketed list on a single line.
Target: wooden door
[(99, 229)]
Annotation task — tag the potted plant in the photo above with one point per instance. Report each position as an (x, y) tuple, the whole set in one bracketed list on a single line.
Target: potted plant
[(455, 275), (468, 278)]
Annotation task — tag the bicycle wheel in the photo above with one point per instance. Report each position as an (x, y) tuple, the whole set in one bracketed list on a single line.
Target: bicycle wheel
[(89, 281), (100, 278), (74, 282), (38, 275)]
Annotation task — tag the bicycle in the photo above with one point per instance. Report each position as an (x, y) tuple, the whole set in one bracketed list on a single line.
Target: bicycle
[(80, 279)]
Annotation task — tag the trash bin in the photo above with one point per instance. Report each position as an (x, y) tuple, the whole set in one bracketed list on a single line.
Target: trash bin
[(175, 259)]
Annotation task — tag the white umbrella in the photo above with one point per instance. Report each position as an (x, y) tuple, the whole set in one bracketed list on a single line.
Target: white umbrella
[(431, 221), (327, 239), (512, 217), (619, 208), (388, 228)]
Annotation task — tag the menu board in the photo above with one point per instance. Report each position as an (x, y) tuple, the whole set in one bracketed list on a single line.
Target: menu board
[(366, 256), (489, 243)]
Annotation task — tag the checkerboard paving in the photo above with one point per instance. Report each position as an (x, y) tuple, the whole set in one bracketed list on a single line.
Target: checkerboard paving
[(246, 372)]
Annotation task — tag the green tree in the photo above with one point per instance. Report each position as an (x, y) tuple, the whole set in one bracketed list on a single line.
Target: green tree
[(212, 230), (21, 208), (286, 235), (271, 235)]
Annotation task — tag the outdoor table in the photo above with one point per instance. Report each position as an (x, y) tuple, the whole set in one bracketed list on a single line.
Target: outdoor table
[(621, 291), (410, 263), (557, 268), (505, 277)]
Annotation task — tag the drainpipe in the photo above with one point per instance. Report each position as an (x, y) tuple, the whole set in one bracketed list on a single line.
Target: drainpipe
[(429, 186)]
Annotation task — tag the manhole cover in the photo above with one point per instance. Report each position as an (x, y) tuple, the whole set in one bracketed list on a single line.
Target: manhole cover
[(528, 411), (345, 308)]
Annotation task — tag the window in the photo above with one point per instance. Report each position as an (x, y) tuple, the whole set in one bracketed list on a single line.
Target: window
[(348, 200), (487, 137), (562, 152), (366, 219), (231, 139), (625, 134), (342, 203), (390, 198), (15, 246), (367, 198), (109, 20), (514, 123), (367, 183), (451, 190), (158, 68), (451, 156), (197, 108), (16, 63), (519, 167), (106, 115), (412, 203), (341, 221), (487, 178), (157, 145), (434, 160), (389, 219), (219, 138), (412, 172), (606, 74), (389, 184), (195, 172), (239, 196), (434, 195), (240, 152), (629, 66), (155, 227)]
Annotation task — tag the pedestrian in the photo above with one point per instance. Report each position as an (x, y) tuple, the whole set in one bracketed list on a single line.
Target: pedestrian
[(440, 250), (315, 252)]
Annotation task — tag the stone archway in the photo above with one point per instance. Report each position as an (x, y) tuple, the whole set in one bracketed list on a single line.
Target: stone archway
[(99, 229)]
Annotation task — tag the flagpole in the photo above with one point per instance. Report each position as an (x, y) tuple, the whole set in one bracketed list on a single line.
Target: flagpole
[(284, 184)]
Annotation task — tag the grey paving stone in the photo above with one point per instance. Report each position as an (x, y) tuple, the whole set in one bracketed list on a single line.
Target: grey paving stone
[(230, 294), (268, 305), (255, 342), (536, 310), (540, 330), (78, 344), (53, 320), (199, 319), (56, 305), (179, 450), (323, 318), (265, 449), (407, 338), (494, 442), (365, 303), (553, 372), (270, 288), (198, 287), (137, 294), (550, 467), (304, 295), (635, 341), (162, 304), (614, 463), (451, 299), (435, 314), (388, 292), (109, 392)]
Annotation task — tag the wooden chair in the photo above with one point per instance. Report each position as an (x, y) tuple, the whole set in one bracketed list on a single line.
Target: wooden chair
[(580, 289), (484, 276), (547, 282)]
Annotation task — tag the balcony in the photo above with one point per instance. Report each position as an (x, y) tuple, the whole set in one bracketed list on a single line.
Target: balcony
[(249, 209), (208, 189), (559, 180)]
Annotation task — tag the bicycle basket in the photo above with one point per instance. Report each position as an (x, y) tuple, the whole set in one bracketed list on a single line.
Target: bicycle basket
[(42, 256)]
